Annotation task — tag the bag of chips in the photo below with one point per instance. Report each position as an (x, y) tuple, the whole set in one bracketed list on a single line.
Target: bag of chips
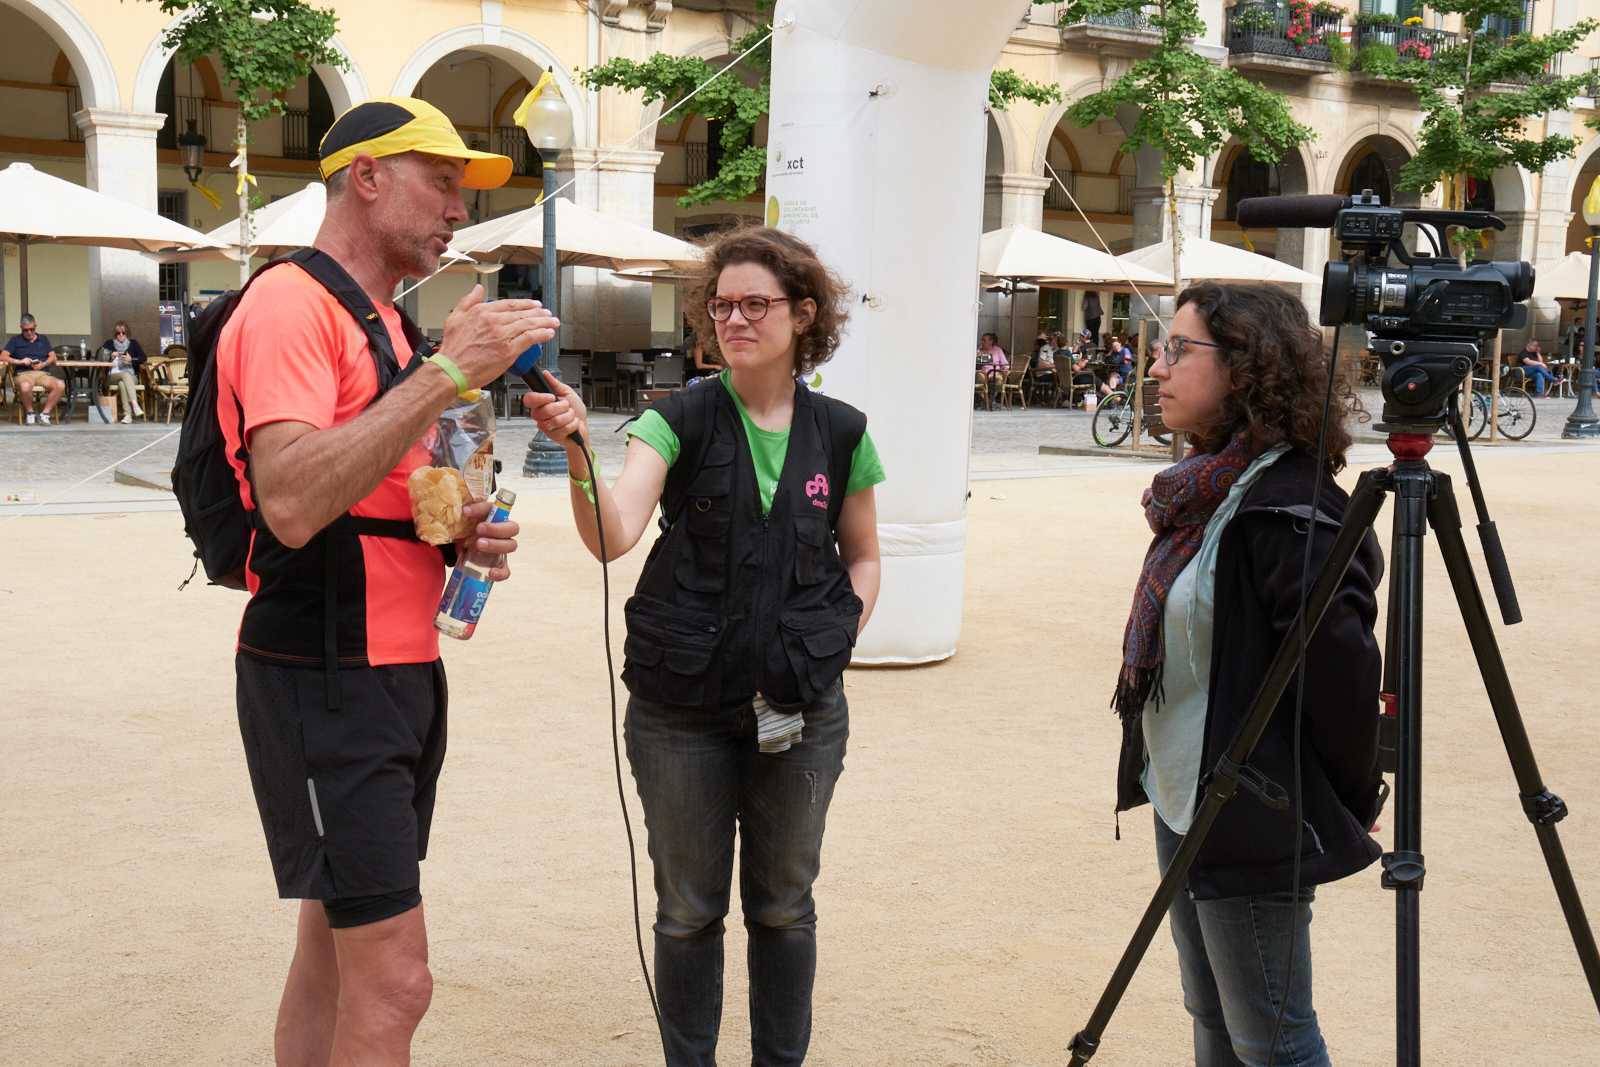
[(461, 445)]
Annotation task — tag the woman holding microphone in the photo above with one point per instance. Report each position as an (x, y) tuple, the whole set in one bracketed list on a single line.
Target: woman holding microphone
[(1244, 373), (739, 630)]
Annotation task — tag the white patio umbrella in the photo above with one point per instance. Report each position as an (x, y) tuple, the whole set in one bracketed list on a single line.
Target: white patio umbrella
[(1018, 254), (282, 226), (1202, 260), (1565, 279), (39, 208), (584, 238)]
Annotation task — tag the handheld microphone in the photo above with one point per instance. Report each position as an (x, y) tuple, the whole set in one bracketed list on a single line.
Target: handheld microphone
[(1260, 212), (527, 368)]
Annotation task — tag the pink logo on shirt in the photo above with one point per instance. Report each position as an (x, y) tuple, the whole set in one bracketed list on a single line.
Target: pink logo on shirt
[(817, 490)]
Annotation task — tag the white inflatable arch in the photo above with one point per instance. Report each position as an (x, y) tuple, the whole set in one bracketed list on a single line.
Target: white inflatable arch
[(863, 96)]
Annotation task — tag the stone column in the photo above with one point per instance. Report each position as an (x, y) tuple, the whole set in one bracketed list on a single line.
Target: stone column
[(1554, 216), (1152, 223), (120, 160), (1012, 200), (598, 310)]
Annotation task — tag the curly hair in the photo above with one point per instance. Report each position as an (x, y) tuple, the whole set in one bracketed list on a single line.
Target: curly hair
[(1277, 370), (798, 270)]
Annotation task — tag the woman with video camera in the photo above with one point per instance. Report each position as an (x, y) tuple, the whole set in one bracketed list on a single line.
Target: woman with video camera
[(1245, 375), (739, 630)]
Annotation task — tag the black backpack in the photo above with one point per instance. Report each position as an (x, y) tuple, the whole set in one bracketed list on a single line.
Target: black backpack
[(214, 517)]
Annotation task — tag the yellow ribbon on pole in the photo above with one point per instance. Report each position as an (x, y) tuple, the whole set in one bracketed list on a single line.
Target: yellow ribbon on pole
[(1591, 203), (520, 116), (1248, 245), (239, 164)]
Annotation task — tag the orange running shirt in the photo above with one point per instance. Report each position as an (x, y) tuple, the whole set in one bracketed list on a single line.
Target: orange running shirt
[(292, 353)]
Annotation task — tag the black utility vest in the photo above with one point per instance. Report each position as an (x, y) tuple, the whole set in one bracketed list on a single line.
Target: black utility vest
[(733, 602)]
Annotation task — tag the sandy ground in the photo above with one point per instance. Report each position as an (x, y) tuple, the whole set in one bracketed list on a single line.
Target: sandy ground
[(972, 902)]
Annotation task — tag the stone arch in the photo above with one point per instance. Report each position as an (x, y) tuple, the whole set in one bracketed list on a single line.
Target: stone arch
[(97, 78), (523, 53), (1053, 117), (1003, 135), (1294, 179), (1394, 146), (346, 88)]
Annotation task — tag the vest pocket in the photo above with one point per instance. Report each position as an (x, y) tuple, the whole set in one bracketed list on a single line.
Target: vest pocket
[(817, 645), (708, 516), (668, 650), (815, 558)]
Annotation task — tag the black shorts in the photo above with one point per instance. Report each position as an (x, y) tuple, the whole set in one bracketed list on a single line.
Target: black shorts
[(346, 797)]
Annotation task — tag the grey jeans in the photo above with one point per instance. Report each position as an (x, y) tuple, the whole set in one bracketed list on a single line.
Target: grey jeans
[(700, 776)]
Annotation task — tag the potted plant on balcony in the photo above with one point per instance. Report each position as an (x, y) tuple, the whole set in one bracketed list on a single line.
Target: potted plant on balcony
[(1254, 29)]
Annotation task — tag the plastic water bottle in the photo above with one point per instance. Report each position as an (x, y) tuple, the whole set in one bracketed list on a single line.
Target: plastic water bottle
[(468, 588)]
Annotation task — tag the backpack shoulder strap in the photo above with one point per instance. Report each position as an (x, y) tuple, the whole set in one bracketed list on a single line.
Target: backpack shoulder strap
[(334, 278)]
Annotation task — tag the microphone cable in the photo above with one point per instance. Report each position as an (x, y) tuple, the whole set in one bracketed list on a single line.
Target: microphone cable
[(616, 749)]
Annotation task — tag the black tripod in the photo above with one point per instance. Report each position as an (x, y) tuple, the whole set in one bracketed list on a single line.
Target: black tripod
[(1423, 498)]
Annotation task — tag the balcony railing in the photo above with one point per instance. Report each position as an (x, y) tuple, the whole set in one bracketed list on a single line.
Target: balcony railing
[(696, 162), (512, 141), (1119, 20), (1264, 28), (74, 105), (1055, 197), (1408, 42), (297, 134), (185, 108)]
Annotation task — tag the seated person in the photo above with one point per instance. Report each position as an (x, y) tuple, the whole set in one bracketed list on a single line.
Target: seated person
[(1044, 355), (126, 357), (1121, 357), (991, 356), (28, 354), (1538, 372)]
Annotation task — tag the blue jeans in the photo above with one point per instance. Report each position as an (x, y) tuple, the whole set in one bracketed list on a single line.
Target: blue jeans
[(699, 774), (1231, 956), (1540, 379)]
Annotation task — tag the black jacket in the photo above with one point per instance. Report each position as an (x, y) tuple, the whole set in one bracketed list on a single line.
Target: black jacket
[(732, 602), (1250, 848)]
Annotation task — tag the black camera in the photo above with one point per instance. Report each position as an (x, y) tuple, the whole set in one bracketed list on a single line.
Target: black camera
[(1435, 297), (1425, 316)]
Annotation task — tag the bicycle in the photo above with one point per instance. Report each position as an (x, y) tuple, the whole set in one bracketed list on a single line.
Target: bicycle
[(1515, 415), (1113, 419)]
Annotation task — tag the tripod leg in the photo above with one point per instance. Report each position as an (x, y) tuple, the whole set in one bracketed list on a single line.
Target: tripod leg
[(1220, 785), (1544, 809), (1403, 868)]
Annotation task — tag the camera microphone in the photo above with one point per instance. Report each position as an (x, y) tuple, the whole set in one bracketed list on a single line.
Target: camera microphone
[(1261, 212), (527, 368)]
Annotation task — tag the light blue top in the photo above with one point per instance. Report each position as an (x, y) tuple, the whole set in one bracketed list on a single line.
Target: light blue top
[(1175, 734)]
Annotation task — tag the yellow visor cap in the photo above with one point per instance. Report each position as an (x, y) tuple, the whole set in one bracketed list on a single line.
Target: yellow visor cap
[(392, 125)]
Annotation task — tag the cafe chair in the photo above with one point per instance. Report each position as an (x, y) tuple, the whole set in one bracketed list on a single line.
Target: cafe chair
[(1015, 386), (171, 381)]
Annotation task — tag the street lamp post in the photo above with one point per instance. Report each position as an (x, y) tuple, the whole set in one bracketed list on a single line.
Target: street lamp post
[(549, 125), (1583, 422)]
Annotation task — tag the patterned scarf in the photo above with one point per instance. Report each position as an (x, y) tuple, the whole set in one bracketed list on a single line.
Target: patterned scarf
[(1178, 505)]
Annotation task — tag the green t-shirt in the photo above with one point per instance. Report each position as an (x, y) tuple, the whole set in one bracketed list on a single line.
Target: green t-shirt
[(767, 449)]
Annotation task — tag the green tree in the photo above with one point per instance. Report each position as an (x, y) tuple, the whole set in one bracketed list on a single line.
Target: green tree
[(1188, 107), (266, 46), (738, 97), (1478, 96)]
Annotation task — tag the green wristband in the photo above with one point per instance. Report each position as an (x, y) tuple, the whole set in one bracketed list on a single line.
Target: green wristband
[(587, 484), (448, 365)]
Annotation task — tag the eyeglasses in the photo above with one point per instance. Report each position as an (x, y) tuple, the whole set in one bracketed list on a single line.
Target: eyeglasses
[(121, 332), (753, 308), (1175, 347)]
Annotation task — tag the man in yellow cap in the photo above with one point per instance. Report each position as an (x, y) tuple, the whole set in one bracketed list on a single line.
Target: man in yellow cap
[(323, 394)]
